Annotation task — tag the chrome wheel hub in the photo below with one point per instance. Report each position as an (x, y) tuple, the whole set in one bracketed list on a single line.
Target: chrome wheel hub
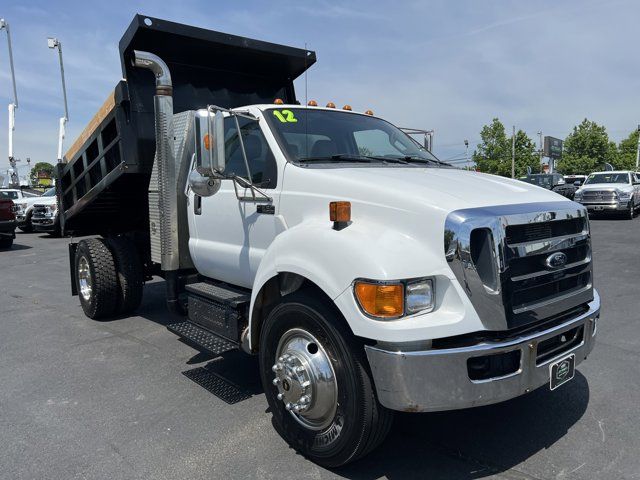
[(305, 379), (84, 278)]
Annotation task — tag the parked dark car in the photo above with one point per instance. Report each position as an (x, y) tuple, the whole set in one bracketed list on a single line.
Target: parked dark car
[(552, 181), (7, 223)]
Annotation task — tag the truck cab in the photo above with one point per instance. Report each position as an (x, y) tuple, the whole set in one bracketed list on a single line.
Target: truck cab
[(366, 275)]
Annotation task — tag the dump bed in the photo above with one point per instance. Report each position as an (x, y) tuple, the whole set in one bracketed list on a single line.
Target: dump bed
[(103, 182)]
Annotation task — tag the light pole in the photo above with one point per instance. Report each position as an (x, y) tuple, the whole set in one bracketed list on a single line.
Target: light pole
[(466, 153), (638, 151), (55, 43), (4, 25)]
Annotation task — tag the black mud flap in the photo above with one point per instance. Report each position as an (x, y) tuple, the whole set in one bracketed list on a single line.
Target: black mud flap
[(73, 247)]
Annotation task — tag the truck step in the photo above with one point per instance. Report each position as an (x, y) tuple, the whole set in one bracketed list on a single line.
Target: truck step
[(221, 294), (219, 309), (211, 342), (221, 387)]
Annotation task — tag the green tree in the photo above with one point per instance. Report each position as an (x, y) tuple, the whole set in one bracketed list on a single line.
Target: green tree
[(493, 154), (41, 167), (627, 152), (586, 149)]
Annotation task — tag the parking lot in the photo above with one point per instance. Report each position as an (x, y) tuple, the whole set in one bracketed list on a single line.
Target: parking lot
[(126, 398)]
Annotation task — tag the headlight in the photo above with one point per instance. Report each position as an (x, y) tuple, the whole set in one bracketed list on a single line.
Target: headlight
[(624, 196), (19, 208), (577, 195), (389, 300), (419, 296)]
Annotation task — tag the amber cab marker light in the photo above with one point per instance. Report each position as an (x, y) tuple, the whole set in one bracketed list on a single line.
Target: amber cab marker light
[(340, 214), (347, 107), (369, 112), (278, 101), (207, 141), (331, 105), (312, 103), (381, 300)]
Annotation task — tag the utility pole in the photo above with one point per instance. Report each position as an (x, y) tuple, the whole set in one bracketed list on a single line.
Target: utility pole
[(513, 153), (638, 151), (55, 43), (4, 25)]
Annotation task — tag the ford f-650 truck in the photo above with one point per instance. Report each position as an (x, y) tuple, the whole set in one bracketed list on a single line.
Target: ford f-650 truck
[(367, 276)]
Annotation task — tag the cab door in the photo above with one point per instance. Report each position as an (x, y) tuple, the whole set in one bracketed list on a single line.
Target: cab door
[(229, 236)]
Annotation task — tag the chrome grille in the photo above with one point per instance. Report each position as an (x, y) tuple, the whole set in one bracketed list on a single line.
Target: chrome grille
[(39, 211), (506, 270), (599, 196)]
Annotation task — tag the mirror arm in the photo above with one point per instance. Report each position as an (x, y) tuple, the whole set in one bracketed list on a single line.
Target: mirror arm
[(245, 184), (244, 152)]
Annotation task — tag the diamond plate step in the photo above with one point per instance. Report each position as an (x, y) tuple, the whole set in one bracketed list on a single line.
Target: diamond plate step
[(221, 294), (222, 388), (203, 338)]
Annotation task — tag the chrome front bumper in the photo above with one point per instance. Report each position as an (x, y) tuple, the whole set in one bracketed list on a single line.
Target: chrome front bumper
[(601, 207), (437, 380)]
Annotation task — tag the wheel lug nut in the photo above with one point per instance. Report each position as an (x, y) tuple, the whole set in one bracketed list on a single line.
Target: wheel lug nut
[(280, 396), (289, 406), (304, 399), (299, 369), (297, 408), (276, 381), (281, 359)]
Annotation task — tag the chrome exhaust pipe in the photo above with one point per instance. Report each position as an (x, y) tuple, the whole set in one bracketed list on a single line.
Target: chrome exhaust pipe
[(163, 194)]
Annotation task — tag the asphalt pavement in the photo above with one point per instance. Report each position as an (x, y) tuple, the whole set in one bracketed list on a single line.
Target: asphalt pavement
[(127, 399)]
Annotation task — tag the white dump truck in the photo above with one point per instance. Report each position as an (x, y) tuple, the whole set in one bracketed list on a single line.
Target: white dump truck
[(367, 276)]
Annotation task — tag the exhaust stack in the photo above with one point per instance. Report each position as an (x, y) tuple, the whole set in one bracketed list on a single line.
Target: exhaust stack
[(163, 195)]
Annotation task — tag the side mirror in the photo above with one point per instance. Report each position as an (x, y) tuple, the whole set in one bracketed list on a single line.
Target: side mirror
[(216, 147)]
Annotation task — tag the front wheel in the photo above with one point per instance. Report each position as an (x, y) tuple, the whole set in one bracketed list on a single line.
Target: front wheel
[(317, 383), (632, 210)]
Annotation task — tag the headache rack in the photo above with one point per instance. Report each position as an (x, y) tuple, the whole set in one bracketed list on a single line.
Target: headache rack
[(103, 182)]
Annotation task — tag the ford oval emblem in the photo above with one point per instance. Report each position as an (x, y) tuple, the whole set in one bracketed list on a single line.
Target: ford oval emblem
[(556, 260)]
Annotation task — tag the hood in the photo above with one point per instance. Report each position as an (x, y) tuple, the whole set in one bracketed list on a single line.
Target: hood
[(441, 188), (45, 201), (623, 187)]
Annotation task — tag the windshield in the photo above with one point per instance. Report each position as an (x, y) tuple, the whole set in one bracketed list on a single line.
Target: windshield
[(9, 194), (309, 135), (50, 193), (607, 178)]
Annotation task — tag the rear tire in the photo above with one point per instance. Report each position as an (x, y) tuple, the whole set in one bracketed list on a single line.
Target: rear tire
[(129, 272), (96, 279), (350, 426), (6, 242)]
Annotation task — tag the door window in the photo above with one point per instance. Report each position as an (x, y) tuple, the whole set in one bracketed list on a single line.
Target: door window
[(262, 163)]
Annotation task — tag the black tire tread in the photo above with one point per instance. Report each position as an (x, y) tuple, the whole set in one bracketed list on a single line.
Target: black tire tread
[(376, 420), (104, 280), (6, 242), (129, 273)]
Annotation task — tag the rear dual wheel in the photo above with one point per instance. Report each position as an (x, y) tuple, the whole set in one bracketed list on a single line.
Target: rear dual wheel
[(317, 383), (109, 277)]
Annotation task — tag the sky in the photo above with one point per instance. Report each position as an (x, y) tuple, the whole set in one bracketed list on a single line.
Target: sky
[(442, 65)]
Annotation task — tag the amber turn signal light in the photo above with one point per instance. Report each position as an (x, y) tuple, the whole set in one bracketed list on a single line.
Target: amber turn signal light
[(278, 101), (340, 212), (381, 300), (207, 141)]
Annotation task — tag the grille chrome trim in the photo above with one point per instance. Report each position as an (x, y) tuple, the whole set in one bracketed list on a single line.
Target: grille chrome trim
[(495, 305)]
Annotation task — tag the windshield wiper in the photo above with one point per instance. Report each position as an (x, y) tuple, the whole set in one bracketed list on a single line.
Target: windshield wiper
[(413, 158), (340, 157)]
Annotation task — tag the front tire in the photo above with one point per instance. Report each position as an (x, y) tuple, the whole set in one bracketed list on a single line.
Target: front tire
[(632, 210), (96, 279), (317, 383)]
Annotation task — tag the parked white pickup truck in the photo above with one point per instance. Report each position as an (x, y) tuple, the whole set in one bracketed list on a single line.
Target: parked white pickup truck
[(366, 275), (611, 192)]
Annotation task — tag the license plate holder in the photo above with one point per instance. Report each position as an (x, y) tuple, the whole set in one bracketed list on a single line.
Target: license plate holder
[(598, 208), (561, 371)]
